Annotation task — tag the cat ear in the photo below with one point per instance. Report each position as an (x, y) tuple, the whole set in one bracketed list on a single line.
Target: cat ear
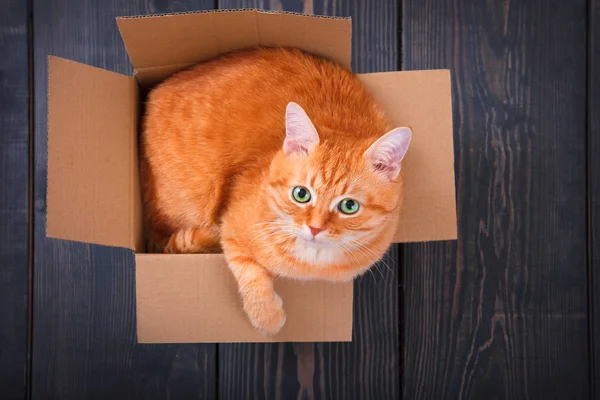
[(386, 154), (300, 133)]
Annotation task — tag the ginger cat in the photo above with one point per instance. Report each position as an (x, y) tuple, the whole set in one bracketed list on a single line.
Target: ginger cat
[(278, 158)]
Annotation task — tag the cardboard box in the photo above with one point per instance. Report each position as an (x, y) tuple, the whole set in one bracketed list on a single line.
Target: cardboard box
[(93, 189)]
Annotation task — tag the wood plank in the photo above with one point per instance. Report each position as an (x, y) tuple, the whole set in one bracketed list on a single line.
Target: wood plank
[(503, 312), (84, 296), (14, 194), (367, 368), (594, 182)]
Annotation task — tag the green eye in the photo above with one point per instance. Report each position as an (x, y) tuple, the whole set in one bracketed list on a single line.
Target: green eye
[(301, 194), (349, 206)]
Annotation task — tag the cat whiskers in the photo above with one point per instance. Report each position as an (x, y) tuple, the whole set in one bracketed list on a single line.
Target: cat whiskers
[(355, 246), (366, 247), (348, 251), (363, 248)]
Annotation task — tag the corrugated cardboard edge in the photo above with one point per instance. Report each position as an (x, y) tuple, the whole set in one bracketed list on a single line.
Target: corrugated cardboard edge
[(234, 10)]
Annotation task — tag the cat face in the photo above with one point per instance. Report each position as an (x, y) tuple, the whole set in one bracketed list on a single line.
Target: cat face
[(331, 200)]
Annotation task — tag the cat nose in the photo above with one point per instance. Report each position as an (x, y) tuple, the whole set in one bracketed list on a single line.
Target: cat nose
[(315, 231)]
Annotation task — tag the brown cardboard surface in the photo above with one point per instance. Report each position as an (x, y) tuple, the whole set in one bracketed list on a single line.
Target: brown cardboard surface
[(92, 124), (193, 298), (422, 100), (179, 40), (93, 188)]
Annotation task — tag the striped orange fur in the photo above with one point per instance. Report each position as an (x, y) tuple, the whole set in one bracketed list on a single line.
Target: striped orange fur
[(278, 158)]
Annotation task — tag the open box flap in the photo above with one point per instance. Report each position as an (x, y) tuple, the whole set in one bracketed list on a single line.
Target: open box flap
[(193, 298), (160, 45), (92, 155), (422, 101)]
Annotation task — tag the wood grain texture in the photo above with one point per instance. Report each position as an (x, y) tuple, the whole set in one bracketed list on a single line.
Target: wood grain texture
[(14, 203), (502, 314), (594, 182), (84, 296), (367, 368)]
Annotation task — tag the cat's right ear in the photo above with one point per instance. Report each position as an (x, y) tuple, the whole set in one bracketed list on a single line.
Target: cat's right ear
[(386, 154), (300, 133)]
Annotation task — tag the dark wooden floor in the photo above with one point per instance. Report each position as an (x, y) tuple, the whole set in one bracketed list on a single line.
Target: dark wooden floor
[(509, 311)]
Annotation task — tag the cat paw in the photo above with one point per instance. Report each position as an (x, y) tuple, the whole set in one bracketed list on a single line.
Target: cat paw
[(266, 316)]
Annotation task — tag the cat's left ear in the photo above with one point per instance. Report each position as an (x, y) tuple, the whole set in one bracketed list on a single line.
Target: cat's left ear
[(300, 133), (386, 154)]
